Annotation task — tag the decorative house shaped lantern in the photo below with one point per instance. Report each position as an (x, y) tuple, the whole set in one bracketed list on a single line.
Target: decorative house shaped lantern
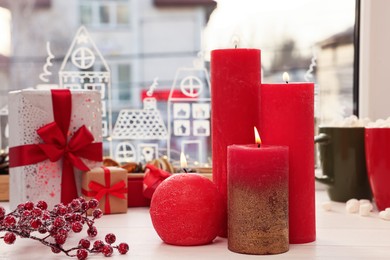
[(139, 134), (85, 68), (189, 116)]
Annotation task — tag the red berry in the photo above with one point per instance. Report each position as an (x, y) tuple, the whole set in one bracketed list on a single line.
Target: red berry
[(55, 250), (93, 203), (77, 217), (9, 221), (75, 204), (26, 214), (42, 230), (45, 215), (84, 243), (36, 212), (29, 205), (97, 213), (2, 212), (62, 210), (62, 231), (77, 227), (84, 206), (20, 207), (82, 254), (68, 217), (110, 238), (42, 205), (123, 248), (60, 239), (59, 222), (53, 230), (92, 231), (98, 245), (9, 238), (107, 250), (36, 223)]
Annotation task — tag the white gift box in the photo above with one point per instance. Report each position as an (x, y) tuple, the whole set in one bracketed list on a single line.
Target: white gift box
[(29, 110)]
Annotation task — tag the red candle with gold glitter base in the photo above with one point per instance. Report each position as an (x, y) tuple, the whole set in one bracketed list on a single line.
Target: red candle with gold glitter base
[(258, 199)]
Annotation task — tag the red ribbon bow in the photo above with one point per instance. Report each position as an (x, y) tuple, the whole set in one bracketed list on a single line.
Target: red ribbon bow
[(56, 146), (153, 177), (98, 190)]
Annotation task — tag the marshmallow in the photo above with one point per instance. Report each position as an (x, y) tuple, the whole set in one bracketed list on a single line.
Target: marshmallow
[(327, 206), (364, 201), (385, 215), (364, 209), (352, 206)]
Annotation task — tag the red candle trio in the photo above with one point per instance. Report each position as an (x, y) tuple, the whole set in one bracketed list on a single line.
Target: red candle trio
[(285, 116)]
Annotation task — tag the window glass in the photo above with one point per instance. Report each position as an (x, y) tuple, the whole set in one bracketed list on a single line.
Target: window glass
[(86, 14), (121, 82), (122, 14), (295, 36), (104, 14)]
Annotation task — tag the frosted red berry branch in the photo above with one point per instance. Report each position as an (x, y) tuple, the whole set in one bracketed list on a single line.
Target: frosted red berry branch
[(52, 228)]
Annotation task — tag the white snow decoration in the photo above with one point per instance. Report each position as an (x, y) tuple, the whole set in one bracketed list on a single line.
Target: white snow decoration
[(134, 125), (152, 87), (125, 152), (43, 76), (189, 116), (79, 71)]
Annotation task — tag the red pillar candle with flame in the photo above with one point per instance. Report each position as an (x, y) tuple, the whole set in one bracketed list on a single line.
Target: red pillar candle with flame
[(287, 118), (258, 198), (187, 209), (235, 79)]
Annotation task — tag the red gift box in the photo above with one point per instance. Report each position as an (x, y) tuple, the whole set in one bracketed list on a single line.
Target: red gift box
[(142, 186), (107, 185), (135, 197)]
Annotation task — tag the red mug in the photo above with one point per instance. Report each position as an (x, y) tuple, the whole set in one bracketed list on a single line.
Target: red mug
[(378, 164)]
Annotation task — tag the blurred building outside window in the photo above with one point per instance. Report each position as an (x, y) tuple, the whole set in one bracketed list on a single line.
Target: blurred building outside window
[(105, 13)]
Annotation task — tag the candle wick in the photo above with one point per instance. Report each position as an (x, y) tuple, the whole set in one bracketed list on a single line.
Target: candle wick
[(185, 170), (287, 82), (235, 46), (258, 145)]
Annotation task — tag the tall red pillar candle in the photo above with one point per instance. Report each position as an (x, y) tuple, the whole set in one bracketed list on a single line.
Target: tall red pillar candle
[(235, 79), (258, 199), (287, 118)]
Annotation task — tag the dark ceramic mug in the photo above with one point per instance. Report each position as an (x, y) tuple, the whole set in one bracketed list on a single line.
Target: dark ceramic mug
[(343, 162)]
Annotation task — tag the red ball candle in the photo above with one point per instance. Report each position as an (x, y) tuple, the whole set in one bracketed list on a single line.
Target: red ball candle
[(258, 199), (287, 118), (187, 210), (235, 80)]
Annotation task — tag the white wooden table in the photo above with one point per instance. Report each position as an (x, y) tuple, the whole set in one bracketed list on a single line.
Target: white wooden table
[(339, 236)]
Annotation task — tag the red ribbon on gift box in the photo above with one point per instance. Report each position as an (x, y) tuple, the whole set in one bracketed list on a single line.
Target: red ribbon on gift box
[(98, 190), (153, 177), (56, 145)]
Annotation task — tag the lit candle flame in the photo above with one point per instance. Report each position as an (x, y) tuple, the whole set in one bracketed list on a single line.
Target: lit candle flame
[(236, 41), (183, 161), (286, 77), (257, 137)]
